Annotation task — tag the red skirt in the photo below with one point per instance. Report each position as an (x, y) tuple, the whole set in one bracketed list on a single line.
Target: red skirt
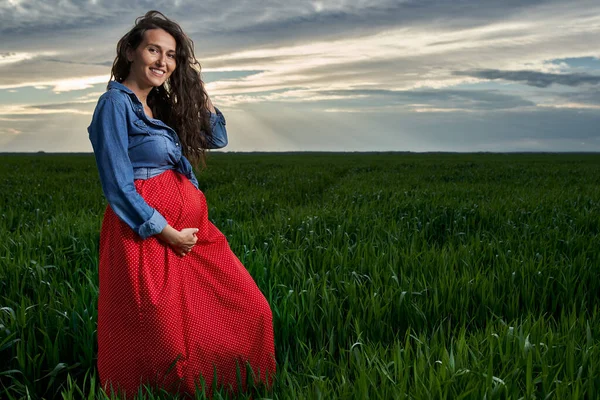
[(170, 321)]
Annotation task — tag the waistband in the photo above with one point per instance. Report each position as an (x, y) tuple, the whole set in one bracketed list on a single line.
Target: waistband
[(149, 172)]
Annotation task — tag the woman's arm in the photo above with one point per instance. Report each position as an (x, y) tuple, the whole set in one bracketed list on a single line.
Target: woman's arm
[(217, 125), (110, 142)]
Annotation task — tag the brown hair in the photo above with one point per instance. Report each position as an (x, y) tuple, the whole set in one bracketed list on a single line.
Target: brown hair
[(181, 102)]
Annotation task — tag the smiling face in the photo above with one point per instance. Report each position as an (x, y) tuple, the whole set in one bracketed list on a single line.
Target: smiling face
[(153, 61)]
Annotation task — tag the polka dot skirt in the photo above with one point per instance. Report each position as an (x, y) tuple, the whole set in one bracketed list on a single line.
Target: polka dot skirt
[(170, 321)]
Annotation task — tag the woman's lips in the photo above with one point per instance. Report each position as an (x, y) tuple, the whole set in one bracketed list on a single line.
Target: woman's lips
[(157, 72)]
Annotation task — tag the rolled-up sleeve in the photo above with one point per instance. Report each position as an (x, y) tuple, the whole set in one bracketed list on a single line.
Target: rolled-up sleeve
[(109, 138), (219, 131)]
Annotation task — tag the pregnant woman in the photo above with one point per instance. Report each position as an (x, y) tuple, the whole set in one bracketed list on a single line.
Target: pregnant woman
[(176, 308)]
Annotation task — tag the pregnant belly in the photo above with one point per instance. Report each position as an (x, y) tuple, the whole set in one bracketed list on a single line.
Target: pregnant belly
[(176, 199)]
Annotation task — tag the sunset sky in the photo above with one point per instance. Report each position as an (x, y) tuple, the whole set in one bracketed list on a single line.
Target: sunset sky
[(364, 75)]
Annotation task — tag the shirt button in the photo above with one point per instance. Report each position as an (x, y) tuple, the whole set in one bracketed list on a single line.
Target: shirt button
[(176, 144)]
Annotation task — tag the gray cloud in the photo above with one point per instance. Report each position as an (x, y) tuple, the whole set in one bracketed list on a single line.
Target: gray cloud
[(290, 129), (376, 60), (87, 31), (256, 22), (84, 106), (40, 70), (539, 126), (533, 78), (442, 98), (381, 14), (71, 134), (101, 64), (585, 97)]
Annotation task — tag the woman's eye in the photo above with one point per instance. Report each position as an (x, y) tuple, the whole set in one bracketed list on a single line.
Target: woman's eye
[(171, 56), (152, 50)]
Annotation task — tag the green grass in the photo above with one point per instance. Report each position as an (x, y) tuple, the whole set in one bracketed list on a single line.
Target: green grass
[(390, 276)]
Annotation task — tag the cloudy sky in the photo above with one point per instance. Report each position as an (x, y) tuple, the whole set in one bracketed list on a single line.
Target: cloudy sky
[(335, 75)]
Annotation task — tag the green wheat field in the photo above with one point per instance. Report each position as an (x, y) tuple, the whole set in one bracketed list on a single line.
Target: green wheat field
[(390, 276)]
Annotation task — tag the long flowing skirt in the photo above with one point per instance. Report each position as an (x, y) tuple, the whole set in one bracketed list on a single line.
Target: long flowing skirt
[(170, 321)]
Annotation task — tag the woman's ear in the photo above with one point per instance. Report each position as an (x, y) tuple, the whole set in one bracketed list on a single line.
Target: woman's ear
[(129, 54)]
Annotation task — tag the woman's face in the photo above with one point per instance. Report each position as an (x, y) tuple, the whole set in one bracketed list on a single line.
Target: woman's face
[(153, 61)]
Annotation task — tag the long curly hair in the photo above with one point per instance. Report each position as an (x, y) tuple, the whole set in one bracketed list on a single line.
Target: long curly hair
[(181, 102)]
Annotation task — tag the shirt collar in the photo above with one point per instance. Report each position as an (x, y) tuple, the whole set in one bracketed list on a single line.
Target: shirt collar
[(119, 86)]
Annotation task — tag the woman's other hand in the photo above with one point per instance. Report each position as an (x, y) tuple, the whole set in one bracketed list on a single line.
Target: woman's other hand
[(180, 241), (209, 103)]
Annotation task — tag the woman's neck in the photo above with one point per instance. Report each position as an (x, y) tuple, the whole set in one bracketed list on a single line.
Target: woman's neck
[(142, 94)]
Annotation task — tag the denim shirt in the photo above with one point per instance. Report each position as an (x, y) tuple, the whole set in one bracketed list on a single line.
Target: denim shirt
[(129, 145)]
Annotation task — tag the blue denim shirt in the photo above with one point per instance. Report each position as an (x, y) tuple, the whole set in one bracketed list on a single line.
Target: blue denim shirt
[(129, 145)]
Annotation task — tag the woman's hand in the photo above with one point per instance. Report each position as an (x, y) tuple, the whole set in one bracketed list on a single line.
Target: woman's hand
[(211, 108), (180, 241)]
